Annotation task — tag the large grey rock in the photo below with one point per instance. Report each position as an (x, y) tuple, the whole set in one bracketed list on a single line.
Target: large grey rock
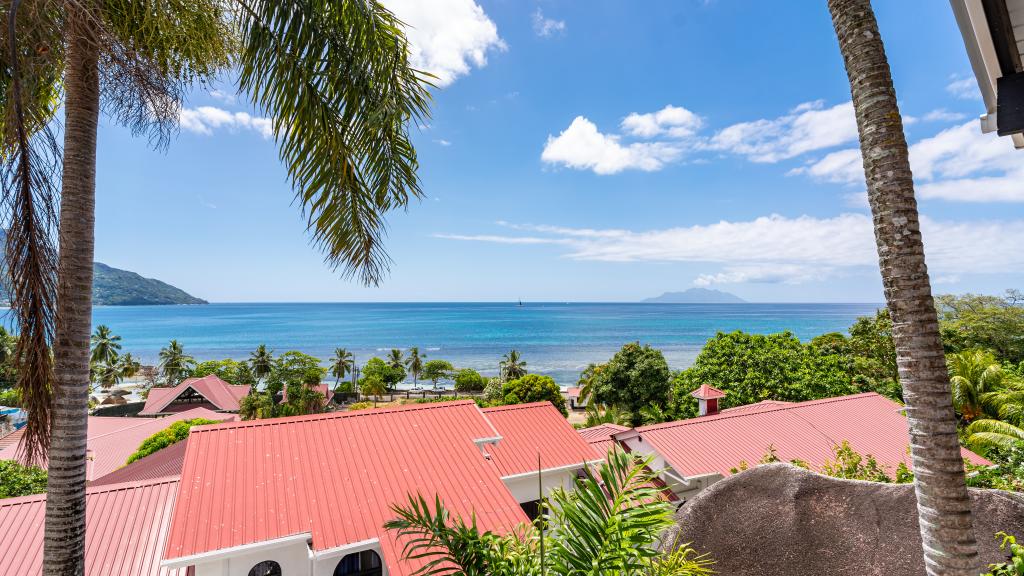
[(778, 519)]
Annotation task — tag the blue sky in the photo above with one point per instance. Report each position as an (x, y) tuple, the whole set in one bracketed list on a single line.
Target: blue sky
[(597, 151)]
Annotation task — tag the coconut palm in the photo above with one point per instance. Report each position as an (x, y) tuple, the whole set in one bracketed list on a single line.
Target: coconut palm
[(396, 359), (414, 363), (373, 386), (261, 361), (944, 507), (985, 434), (587, 381), (512, 366), (341, 365), (973, 374), (105, 346), (174, 363), (128, 366), (333, 76)]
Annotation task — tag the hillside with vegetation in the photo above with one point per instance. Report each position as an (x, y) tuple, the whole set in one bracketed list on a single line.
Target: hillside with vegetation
[(114, 287)]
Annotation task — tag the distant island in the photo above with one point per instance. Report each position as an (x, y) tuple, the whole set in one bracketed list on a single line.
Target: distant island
[(696, 296), (114, 287)]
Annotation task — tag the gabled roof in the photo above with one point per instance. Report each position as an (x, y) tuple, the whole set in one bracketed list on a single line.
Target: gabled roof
[(223, 396), (808, 431), (529, 430), (160, 464), (706, 392), (335, 477), (112, 439), (126, 526), (600, 437)]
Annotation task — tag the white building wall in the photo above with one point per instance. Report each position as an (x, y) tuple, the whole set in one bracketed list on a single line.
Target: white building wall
[(525, 489), (684, 490), (293, 558)]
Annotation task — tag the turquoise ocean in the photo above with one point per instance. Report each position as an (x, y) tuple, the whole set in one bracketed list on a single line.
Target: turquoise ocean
[(557, 339)]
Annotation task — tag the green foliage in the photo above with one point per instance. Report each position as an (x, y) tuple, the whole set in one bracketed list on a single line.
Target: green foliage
[(341, 366), (372, 386), (1005, 473), (492, 390), (174, 433), (294, 370), (388, 373), (114, 287), (973, 375), (851, 465), (533, 388), (435, 370), (609, 526), (1014, 565), (512, 366), (984, 322), (174, 363), (414, 362), (597, 415), (261, 361), (986, 434), (228, 370), (10, 398), (256, 406), (636, 377), (469, 380), (360, 405), (18, 480)]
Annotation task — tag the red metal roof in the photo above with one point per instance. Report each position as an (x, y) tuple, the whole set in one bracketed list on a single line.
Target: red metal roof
[(220, 394), (808, 431), (12, 439), (706, 392), (600, 437), (755, 407), (531, 429), (126, 525), (112, 439), (160, 464), (335, 476)]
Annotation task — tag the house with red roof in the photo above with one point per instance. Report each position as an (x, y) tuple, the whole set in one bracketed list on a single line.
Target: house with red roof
[(310, 494), (692, 454), (112, 439), (208, 392)]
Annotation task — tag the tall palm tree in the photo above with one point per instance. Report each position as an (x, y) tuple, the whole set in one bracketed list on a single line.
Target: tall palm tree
[(944, 506), (973, 374), (414, 363), (587, 382), (396, 358), (105, 346), (333, 75), (261, 361), (174, 363), (341, 365), (128, 366), (512, 366)]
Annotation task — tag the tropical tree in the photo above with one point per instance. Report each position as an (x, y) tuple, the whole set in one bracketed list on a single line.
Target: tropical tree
[(609, 523), (129, 366), (262, 361), (341, 365), (174, 363), (105, 346), (512, 366), (373, 385), (534, 388), (587, 380), (435, 370), (414, 364), (469, 380), (944, 506), (396, 359), (635, 378), (973, 374), (388, 373), (985, 434)]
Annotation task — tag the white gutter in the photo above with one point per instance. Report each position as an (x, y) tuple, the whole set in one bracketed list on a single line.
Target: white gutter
[(556, 469), (221, 553)]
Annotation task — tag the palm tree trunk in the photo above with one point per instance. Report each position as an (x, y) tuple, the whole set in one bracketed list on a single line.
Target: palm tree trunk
[(943, 504), (64, 539)]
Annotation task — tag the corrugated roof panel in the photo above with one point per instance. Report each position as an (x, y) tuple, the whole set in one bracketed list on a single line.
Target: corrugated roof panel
[(219, 393), (334, 476), (529, 430), (126, 525), (160, 464), (808, 431)]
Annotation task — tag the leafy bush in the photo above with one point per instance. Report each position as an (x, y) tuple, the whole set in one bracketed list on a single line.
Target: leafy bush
[(381, 370), (10, 398), (1014, 565), (18, 480), (469, 380), (636, 378), (436, 370), (360, 405), (1006, 473), (534, 388), (172, 434), (492, 390)]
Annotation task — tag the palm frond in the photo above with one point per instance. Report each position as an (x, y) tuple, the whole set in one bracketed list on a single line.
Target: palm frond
[(335, 77), (986, 434)]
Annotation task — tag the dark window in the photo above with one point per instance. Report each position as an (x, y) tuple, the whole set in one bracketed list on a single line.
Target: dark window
[(532, 509), (266, 568), (365, 563)]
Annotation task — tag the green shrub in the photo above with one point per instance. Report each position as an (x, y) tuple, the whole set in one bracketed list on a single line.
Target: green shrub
[(534, 388), (1014, 565), (172, 434), (18, 480), (469, 380), (10, 398), (360, 405)]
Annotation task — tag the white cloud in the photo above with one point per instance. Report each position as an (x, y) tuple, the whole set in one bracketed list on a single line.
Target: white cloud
[(546, 27), (958, 164), (674, 121), (943, 115), (781, 249), (206, 119), (443, 142), (225, 97), (447, 37), (964, 88), (808, 127), (583, 147)]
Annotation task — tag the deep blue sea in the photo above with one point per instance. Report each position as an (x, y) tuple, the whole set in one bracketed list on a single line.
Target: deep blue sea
[(554, 338)]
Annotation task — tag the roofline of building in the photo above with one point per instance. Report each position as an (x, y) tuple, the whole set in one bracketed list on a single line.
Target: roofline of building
[(219, 553), (573, 466), (344, 549), (89, 490), (510, 407)]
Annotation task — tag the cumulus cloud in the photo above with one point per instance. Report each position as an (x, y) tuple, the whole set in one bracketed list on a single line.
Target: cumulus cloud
[(674, 121), (958, 164), (583, 146), (808, 127), (778, 248), (206, 119), (447, 37), (546, 27), (964, 88)]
